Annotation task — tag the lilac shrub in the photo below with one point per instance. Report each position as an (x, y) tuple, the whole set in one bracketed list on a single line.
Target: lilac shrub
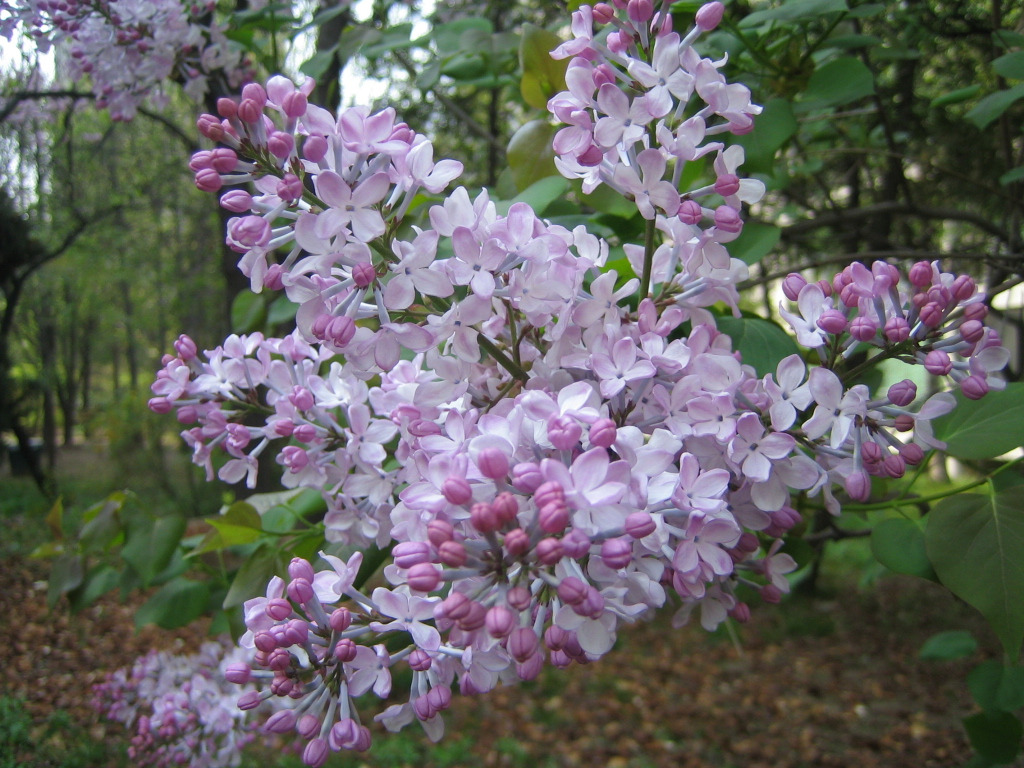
[(181, 709), (547, 449)]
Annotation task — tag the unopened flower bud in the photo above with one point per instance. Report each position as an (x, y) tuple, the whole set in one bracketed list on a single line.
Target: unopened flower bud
[(237, 672), (236, 201), (493, 463), (728, 219), (424, 577), (363, 274), (340, 619), (519, 598), (531, 668), (617, 553), (278, 609), (457, 490), (709, 16), (281, 722), (439, 531), (483, 518), (299, 568), (902, 393), (740, 613), (226, 108), (912, 453), (771, 594), (938, 363), (690, 212), (564, 432), (832, 321), (517, 542), (792, 285), (727, 184), (931, 314), (456, 606), (974, 387), (522, 643), (506, 507), (858, 486), (294, 104), (526, 477), (249, 700), (419, 660), (897, 330), (549, 551), (316, 751), (863, 328), (572, 591), (300, 591), (500, 621), (972, 331), (474, 618), (314, 148), (208, 180), (575, 544), (452, 553), (160, 405), (345, 649)]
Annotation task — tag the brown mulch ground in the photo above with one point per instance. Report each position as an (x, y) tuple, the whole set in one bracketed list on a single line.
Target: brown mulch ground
[(815, 682)]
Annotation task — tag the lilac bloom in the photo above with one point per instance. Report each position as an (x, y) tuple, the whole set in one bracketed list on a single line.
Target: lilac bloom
[(409, 613), (329, 586), (370, 669), (623, 122), (604, 307), (700, 548), (413, 272), (836, 411), (788, 392), (648, 187), (663, 76), (621, 367), (811, 302), (352, 208), (754, 450), (703, 491)]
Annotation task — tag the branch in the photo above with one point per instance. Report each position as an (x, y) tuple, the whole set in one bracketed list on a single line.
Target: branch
[(868, 211)]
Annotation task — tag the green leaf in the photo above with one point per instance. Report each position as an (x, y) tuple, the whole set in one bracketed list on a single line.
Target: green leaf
[(995, 735), (948, 646), (795, 10), (538, 195), (394, 38), (1010, 65), (898, 544), (530, 156), (448, 37), (151, 543), (755, 242), (761, 343), (176, 604), (103, 525), (989, 109), (67, 574), (982, 429), (839, 82), (239, 524), (955, 97), (1011, 176), (995, 686), (248, 312), (976, 546), (543, 76), (772, 129), (252, 578), (98, 582), (315, 67)]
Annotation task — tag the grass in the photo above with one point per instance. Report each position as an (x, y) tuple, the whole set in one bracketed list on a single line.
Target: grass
[(58, 743)]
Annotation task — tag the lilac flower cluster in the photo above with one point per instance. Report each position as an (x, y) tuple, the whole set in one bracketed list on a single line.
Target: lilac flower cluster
[(180, 708), (544, 460), (129, 48)]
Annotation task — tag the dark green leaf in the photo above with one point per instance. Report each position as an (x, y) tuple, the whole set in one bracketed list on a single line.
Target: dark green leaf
[(538, 195), (394, 38), (839, 82), (151, 543), (103, 525), (448, 37), (995, 686), (772, 129), (248, 312), (98, 582), (955, 97), (176, 604), (1010, 65), (543, 76), (995, 735), (989, 109), (755, 242), (530, 156), (976, 546), (795, 10), (761, 343), (947, 646), (252, 578), (981, 429), (898, 544), (315, 67), (66, 575), (1011, 176)]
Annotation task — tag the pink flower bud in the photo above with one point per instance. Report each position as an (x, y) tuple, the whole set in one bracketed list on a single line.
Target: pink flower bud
[(564, 432), (517, 542), (483, 518), (439, 531), (340, 619), (315, 753), (256, 93), (290, 188), (912, 453), (424, 577), (550, 492), (419, 660), (771, 594), (280, 144), (160, 405), (406, 554), (223, 159), (474, 618), (963, 288), (500, 622), (279, 660), (690, 212), (727, 184), (281, 722), (575, 544), (345, 649), (897, 329), (974, 387), (249, 700), (210, 127), (592, 606), (265, 641), (301, 398), (902, 393), (236, 201), (457, 490), (226, 108), (858, 486), (639, 11), (300, 568), (792, 285), (456, 606), (863, 328), (640, 524), (972, 331), (848, 295), (832, 321), (493, 463), (250, 111), (555, 637), (250, 231), (938, 363), (603, 433), (363, 274), (314, 148), (728, 219), (603, 13), (572, 591), (617, 553), (308, 726), (237, 672), (300, 591), (740, 613), (208, 180), (931, 314), (531, 668), (553, 517), (423, 428), (519, 598), (452, 553), (506, 507), (278, 609), (904, 422), (976, 311), (522, 643), (294, 104), (526, 477), (340, 330), (893, 465), (709, 16), (920, 274), (549, 551)]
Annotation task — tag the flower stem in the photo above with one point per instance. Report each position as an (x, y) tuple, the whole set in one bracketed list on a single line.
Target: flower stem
[(501, 358), (645, 277)]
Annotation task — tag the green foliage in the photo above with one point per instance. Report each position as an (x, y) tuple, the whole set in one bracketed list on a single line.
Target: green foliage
[(947, 646), (542, 76), (898, 543), (975, 543), (58, 742), (761, 343), (981, 429)]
